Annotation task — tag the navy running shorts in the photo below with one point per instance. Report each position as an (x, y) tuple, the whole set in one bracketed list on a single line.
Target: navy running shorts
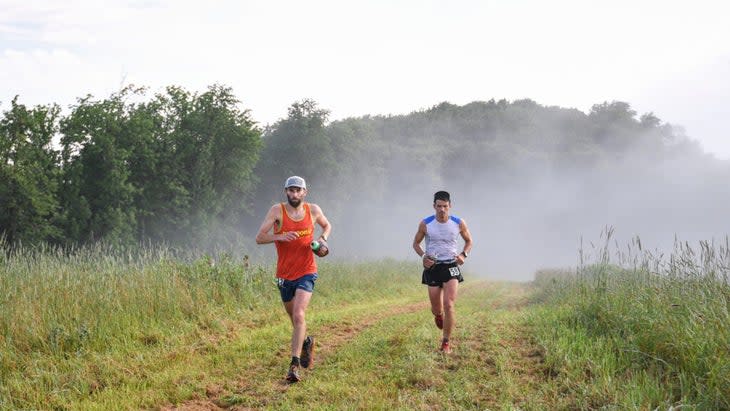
[(441, 273), (287, 288)]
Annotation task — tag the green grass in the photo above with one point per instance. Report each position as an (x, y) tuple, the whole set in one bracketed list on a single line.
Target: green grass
[(112, 331), (652, 335), (101, 324), (101, 329)]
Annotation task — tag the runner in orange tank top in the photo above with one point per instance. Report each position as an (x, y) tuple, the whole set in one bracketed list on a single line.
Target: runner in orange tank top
[(295, 258), (290, 226)]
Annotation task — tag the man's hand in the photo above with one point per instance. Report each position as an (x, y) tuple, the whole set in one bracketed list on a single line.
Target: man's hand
[(323, 249), (286, 237), (428, 261), (460, 259)]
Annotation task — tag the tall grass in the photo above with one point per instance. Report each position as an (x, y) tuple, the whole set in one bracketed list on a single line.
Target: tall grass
[(658, 324), (96, 297), (72, 322)]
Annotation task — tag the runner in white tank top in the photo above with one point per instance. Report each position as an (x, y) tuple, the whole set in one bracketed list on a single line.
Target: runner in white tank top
[(442, 261), (441, 238)]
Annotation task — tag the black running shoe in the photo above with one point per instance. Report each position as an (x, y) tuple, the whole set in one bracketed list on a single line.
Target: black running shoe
[(307, 358), (293, 374)]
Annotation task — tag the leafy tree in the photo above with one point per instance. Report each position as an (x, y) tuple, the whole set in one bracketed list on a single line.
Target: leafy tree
[(96, 152), (296, 145), (614, 125), (170, 169), (28, 174), (213, 149)]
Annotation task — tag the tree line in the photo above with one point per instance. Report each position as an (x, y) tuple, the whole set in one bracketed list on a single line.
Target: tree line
[(196, 169)]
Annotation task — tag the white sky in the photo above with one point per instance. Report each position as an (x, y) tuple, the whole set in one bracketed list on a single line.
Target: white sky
[(381, 57)]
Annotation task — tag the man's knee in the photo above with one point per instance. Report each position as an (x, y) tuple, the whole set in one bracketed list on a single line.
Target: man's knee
[(298, 317), (448, 305)]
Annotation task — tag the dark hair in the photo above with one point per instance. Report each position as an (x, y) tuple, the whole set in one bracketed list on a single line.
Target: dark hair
[(442, 195)]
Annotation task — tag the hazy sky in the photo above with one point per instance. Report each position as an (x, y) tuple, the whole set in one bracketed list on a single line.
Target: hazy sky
[(381, 57)]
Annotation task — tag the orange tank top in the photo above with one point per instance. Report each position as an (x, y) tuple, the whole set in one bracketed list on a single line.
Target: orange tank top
[(295, 258)]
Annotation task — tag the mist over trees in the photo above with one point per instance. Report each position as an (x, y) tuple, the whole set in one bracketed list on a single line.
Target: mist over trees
[(196, 169), (530, 180)]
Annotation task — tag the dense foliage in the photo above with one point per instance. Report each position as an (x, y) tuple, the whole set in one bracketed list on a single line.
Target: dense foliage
[(178, 165), (188, 168)]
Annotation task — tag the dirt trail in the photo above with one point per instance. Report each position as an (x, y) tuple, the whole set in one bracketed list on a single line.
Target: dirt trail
[(512, 354), (336, 335), (494, 339)]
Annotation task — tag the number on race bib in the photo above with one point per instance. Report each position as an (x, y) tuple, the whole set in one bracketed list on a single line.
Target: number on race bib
[(454, 271)]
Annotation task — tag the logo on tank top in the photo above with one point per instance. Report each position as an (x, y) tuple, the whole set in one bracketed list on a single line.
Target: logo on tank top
[(301, 233)]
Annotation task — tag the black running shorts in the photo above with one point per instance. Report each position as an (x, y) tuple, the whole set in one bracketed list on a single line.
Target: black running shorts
[(440, 273)]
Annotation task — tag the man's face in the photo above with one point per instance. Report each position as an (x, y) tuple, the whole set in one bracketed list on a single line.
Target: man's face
[(442, 208), (295, 195)]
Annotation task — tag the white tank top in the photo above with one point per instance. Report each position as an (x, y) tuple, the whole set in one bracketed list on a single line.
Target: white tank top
[(442, 238)]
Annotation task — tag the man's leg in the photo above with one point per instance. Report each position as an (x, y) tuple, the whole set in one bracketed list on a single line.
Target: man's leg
[(434, 294), (451, 289), (437, 308), (296, 309)]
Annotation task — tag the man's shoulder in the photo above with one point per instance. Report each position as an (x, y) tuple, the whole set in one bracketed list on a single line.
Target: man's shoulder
[(275, 208)]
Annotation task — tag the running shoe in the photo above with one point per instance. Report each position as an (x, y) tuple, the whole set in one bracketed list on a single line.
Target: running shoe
[(293, 374), (439, 320), (445, 347), (307, 358)]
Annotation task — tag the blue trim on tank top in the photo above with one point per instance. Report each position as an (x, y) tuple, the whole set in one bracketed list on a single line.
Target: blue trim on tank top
[(453, 218)]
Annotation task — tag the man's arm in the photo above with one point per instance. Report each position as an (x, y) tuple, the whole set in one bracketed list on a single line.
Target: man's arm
[(265, 234), (466, 235), (420, 235), (319, 218)]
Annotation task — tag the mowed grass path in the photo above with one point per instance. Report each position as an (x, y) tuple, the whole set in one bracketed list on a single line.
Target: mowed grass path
[(382, 356)]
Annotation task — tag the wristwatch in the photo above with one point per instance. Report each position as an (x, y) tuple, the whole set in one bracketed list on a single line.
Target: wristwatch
[(464, 254)]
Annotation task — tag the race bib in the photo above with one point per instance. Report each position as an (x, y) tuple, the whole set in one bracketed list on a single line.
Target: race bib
[(454, 271)]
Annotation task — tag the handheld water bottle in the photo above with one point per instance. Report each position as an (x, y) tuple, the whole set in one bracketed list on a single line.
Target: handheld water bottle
[(320, 248)]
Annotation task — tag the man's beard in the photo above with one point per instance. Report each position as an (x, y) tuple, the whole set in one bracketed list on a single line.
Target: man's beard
[(293, 202)]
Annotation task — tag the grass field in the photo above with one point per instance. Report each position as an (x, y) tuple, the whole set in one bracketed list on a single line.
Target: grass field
[(646, 331), (102, 330)]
